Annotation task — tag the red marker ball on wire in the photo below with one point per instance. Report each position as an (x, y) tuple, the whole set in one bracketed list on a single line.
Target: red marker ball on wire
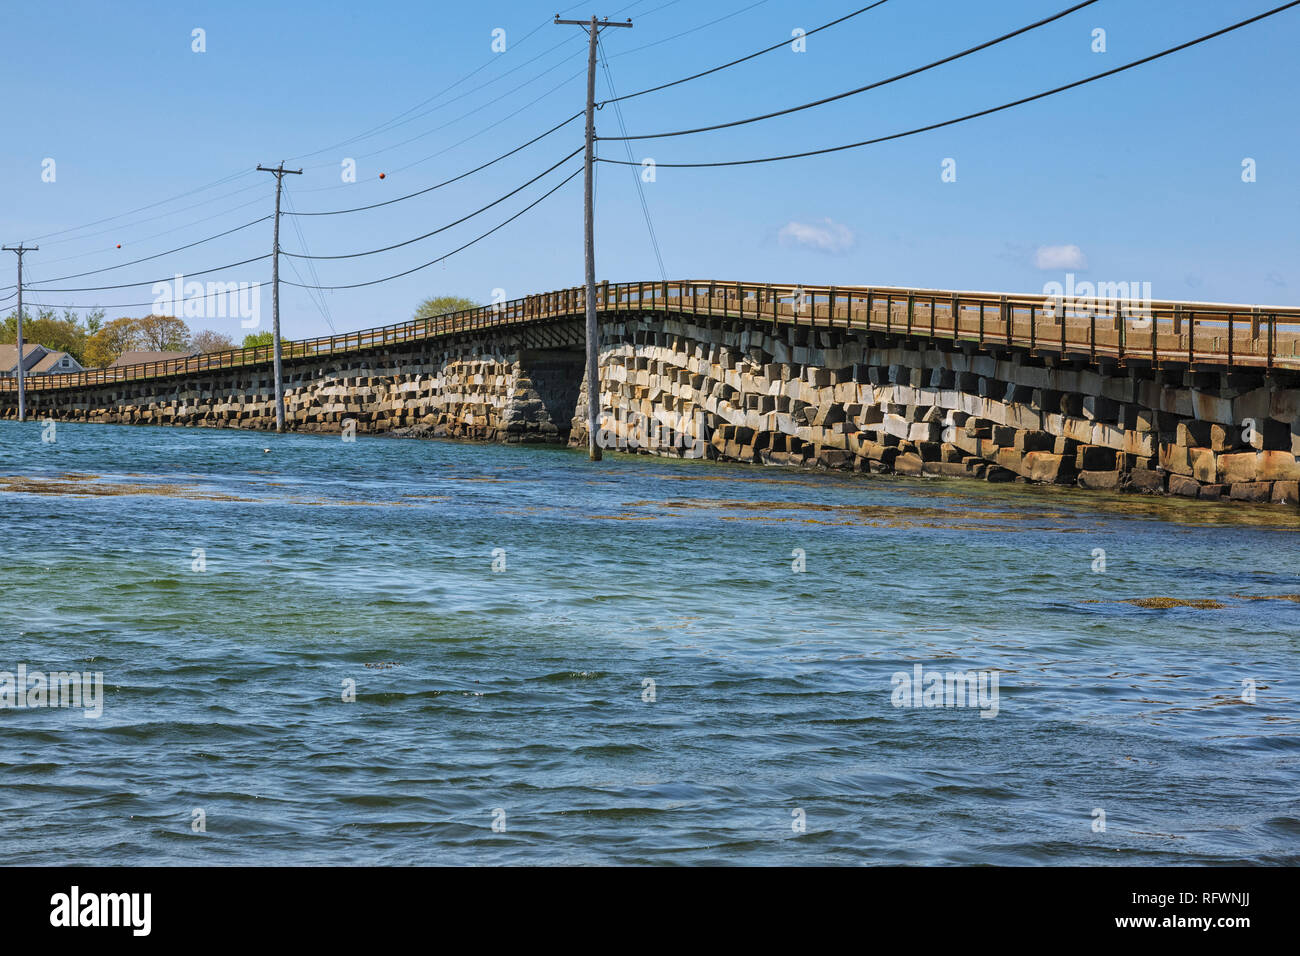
[(381, 175)]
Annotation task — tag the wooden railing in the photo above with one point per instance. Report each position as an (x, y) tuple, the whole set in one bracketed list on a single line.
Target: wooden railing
[(1200, 333)]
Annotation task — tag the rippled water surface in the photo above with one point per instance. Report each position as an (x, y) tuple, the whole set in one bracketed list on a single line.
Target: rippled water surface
[(523, 695)]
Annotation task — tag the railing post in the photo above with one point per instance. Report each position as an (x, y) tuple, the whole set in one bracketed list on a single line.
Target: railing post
[(1155, 339)]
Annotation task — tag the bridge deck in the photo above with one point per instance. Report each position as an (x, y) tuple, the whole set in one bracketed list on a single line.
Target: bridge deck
[(1166, 333)]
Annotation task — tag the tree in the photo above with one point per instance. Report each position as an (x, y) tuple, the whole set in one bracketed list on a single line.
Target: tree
[(107, 345), (207, 340), (66, 334), (164, 333), (254, 339), (442, 304)]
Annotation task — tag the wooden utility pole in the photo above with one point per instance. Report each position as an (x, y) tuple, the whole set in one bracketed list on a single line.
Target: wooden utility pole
[(279, 172), (22, 392), (593, 28)]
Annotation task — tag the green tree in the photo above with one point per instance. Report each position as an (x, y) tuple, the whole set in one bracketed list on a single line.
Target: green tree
[(442, 304), (66, 334), (256, 339)]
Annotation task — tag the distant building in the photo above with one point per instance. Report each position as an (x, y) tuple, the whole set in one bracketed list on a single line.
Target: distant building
[(140, 358), (37, 360)]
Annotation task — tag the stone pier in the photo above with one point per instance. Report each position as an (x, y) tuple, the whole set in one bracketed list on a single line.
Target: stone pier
[(1204, 404), (862, 401)]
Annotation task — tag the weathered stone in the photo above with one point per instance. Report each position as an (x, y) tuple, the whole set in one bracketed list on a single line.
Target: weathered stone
[(1046, 467), (1100, 480), (1285, 493), (1237, 468), (1145, 481), (908, 464), (1277, 466), (1250, 491), (1095, 458)]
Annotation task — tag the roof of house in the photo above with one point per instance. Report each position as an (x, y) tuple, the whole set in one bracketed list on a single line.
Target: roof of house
[(139, 358), (51, 360), (9, 354)]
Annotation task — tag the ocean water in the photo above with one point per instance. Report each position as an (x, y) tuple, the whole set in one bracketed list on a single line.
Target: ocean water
[(308, 657)]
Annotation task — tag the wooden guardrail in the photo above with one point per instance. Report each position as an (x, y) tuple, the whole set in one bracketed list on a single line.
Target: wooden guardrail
[(1162, 332)]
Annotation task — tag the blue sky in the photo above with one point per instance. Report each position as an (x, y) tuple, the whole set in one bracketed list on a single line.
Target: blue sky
[(1137, 177)]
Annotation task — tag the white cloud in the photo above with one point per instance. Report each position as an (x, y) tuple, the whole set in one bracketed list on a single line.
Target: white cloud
[(824, 236), (1054, 258)]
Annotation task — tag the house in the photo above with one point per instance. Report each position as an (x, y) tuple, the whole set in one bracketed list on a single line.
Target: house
[(136, 357), (37, 360)]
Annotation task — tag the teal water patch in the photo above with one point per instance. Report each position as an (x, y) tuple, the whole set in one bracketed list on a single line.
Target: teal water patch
[(377, 651)]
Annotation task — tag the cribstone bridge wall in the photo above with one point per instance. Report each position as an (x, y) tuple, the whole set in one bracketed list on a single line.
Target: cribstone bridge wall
[(493, 388), (1204, 404), (752, 392)]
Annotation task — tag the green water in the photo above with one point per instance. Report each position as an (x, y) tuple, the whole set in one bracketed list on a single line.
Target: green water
[(645, 677)]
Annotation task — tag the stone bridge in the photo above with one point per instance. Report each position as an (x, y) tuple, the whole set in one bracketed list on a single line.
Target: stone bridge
[(1194, 399)]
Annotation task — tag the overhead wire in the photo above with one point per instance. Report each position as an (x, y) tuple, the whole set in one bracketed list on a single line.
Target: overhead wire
[(747, 57), (131, 285), (870, 86), (500, 225), (434, 232), (445, 182), (636, 174), (317, 296), (979, 113)]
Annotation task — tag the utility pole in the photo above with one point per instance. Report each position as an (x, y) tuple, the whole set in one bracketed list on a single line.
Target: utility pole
[(593, 28), (22, 394), (275, 291)]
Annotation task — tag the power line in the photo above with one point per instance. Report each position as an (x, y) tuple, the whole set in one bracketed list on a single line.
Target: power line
[(165, 232), (160, 202), (758, 53), (985, 112), (358, 285), (695, 29), (388, 124), (393, 123), (481, 209), (134, 305), (870, 86), (451, 122), (156, 218), (158, 255), (636, 175), (244, 172), (446, 182), (130, 285), (317, 297)]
